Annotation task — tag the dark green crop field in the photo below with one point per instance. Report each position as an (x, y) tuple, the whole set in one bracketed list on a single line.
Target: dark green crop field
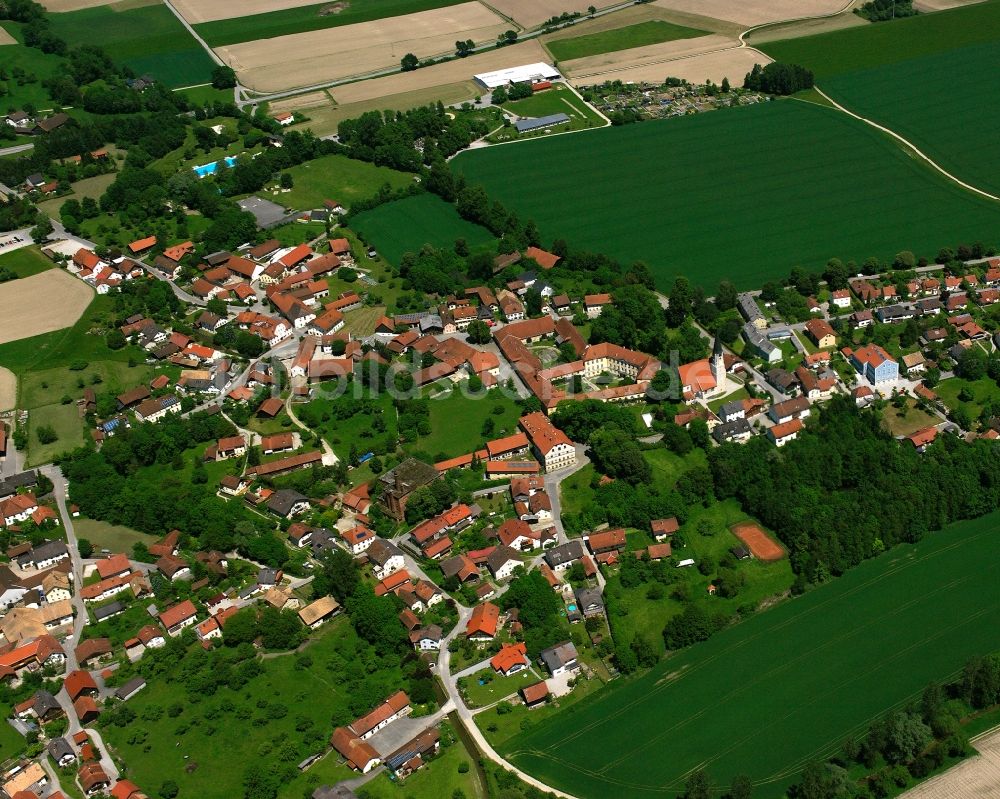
[(643, 33), (407, 225), (308, 18), (787, 686), (148, 39), (930, 78), (744, 194)]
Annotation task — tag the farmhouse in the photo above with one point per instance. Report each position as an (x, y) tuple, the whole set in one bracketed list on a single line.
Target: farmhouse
[(551, 445)]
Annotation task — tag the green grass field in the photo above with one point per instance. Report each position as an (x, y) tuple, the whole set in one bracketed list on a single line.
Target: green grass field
[(638, 35), (308, 18), (407, 225), (983, 391), (148, 39), (337, 177), (25, 262), (766, 696), (110, 536), (457, 422), (722, 200), (924, 77), (37, 66)]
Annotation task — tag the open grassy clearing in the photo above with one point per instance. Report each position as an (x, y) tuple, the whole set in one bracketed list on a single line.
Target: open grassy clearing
[(65, 422), (763, 209), (924, 78), (308, 18), (908, 420), (407, 225), (25, 262), (337, 177), (609, 41), (313, 692), (457, 422), (646, 616), (877, 635), (495, 687), (88, 187), (983, 391), (148, 39), (112, 537)]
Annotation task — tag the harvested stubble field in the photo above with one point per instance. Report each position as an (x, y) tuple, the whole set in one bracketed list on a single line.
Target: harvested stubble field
[(788, 183), (924, 77), (285, 19), (8, 389), (199, 11), (796, 680), (440, 75), (753, 12), (6, 38), (304, 59), (655, 62), (41, 303)]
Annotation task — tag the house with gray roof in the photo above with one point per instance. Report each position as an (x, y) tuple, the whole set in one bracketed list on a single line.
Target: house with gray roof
[(561, 658), (563, 556)]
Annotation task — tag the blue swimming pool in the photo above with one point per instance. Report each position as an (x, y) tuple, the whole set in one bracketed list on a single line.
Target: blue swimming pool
[(209, 169), (571, 608)]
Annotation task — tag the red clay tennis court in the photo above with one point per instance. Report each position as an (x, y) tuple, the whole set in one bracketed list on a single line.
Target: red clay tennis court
[(760, 543)]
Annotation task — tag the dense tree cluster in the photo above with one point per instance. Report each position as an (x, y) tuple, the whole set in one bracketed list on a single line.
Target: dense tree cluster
[(886, 10), (845, 489), (275, 629), (778, 78), (117, 485), (538, 607)]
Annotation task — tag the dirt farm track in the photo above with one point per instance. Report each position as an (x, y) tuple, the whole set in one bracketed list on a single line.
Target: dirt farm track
[(40, 304)]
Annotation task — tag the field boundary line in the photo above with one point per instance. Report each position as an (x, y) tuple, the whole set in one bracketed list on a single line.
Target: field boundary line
[(907, 144)]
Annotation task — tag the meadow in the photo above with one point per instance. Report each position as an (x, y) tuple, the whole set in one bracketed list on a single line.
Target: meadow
[(339, 178), (308, 18), (457, 422), (147, 39), (610, 41), (766, 696), (925, 77), (36, 66), (25, 262), (716, 196), (407, 225)]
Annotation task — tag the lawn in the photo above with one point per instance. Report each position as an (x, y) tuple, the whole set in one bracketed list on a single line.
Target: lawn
[(439, 777), (610, 41), (308, 18), (457, 420), (112, 537), (407, 225), (495, 687), (67, 424), (337, 177), (983, 391), (908, 420), (764, 207), (203, 95), (148, 39), (793, 682), (924, 77), (11, 742), (25, 262), (206, 759)]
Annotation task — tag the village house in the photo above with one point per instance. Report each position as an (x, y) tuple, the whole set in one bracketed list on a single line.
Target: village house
[(175, 618)]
